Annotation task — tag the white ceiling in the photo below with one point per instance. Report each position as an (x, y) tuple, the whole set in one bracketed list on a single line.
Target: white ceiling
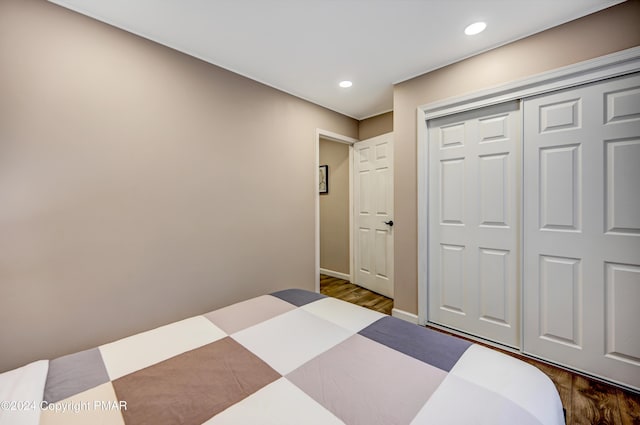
[(305, 47)]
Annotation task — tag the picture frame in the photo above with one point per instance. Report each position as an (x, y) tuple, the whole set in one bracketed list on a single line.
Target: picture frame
[(323, 180)]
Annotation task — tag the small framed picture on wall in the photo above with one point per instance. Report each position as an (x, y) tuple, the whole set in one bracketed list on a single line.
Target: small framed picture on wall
[(324, 179)]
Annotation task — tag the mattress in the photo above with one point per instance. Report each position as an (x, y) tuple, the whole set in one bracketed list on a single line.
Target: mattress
[(291, 357)]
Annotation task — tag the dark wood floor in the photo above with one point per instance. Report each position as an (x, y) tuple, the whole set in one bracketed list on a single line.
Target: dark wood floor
[(586, 401), (341, 289)]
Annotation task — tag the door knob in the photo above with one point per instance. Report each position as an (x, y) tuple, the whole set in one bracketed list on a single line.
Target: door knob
[(389, 223)]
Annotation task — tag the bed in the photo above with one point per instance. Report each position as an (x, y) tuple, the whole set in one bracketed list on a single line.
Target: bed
[(290, 357)]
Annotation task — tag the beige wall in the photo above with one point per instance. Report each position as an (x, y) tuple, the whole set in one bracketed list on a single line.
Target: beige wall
[(334, 208), (608, 31), (375, 126), (138, 185)]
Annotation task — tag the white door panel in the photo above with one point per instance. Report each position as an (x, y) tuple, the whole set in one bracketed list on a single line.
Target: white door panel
[(474, 197), (622, 162), (373, 191), (582, 228)]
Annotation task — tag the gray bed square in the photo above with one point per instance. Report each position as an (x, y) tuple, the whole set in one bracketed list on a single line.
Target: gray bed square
[(298, 297), (73, 374), (434, 348)]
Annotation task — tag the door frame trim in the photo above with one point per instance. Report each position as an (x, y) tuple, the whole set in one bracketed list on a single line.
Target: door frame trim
[(608, 66), (334, 137)]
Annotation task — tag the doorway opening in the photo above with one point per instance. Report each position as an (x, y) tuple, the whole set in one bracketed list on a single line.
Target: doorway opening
[(334, 177), (334, 206), (370, 212)]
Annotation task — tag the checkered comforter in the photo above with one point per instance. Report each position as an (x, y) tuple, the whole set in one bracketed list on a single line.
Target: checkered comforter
[(295, 357)]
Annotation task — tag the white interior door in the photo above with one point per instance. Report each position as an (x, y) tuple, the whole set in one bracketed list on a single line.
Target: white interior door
[(582, 228), (373, 203), (474, 204)]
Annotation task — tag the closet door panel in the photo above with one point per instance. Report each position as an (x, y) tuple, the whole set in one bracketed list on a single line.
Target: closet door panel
[(581, 258), (474, 195)]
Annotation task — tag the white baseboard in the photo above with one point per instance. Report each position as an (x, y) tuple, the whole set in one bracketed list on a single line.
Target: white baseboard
[(339, 275), (405, 315)]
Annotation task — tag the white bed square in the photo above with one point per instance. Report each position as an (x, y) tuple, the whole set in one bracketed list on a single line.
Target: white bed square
[(505, 376), (138, 351), (23, 385), (481, 406), (279, 403), (342, 313), (291, 339)]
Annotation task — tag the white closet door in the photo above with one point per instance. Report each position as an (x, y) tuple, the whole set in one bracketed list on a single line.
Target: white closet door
[(474, 199), (582, 228)]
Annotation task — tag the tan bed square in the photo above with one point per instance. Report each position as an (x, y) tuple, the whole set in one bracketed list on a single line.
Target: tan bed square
[(364, 382), (194, 386), (95, 406), (242, 315)]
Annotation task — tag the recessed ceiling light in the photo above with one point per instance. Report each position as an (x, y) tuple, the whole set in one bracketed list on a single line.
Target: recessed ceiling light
[(475, 28), (345, 84)]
